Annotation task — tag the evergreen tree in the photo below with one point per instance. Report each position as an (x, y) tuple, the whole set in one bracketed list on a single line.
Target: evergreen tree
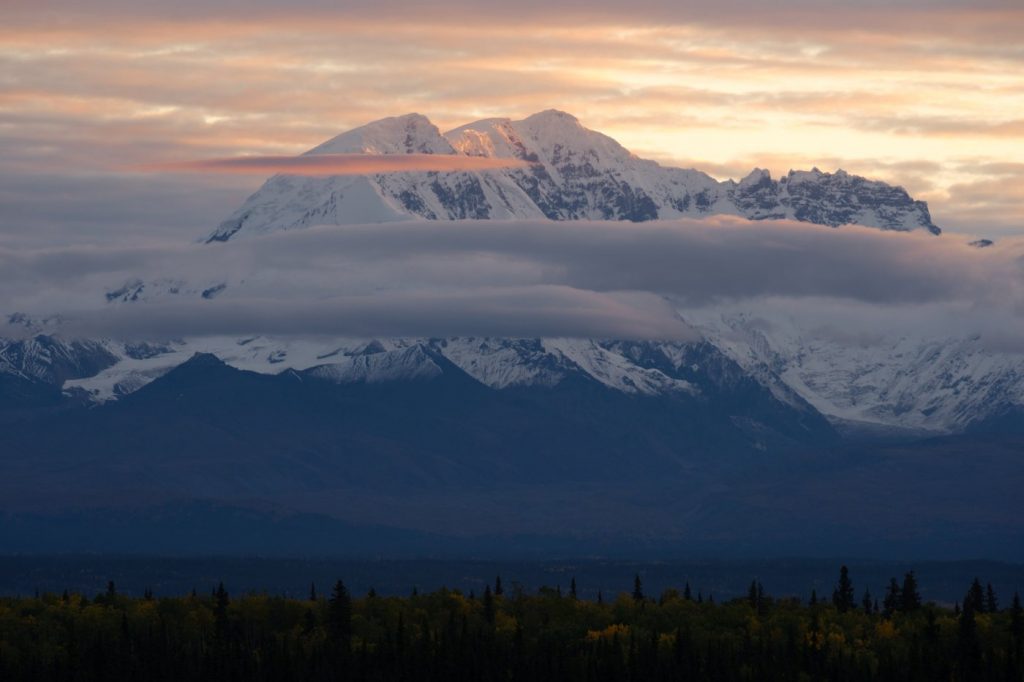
[(572, 587), (488, 606), (752, 597), (1017, 620), (339, 615), (991, 602), (638, 588), (910, 598), (969, 648), (498, 589), (975, 595), (220, 610), (312, 591), (893, 599), (842, 595), (866, 602), (687, 594), (814, 597), (600, 597)]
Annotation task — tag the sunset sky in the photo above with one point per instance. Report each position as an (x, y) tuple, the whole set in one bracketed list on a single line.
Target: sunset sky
[(928, 95)]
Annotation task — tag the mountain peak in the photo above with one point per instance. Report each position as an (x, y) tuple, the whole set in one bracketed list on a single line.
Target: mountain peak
[(571, 173), (552, 116), (408, 134)]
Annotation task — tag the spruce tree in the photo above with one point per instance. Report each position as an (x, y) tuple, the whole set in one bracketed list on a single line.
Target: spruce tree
[(638, 588), (312, 591), (752, 595), (220, 610), (339, 615), (910, 598), (498, 589), (572, 588), (687, 594), (893, 599), (814, 597), (488, 603), (968, 644), (991, 602), (842, 595), (1017, 620), (866, 602), (975, 595)]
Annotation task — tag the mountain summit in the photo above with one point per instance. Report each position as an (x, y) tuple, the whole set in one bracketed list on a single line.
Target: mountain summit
[(572, 173)]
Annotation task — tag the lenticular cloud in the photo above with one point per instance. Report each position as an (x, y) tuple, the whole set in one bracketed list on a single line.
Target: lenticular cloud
[(340, 164)]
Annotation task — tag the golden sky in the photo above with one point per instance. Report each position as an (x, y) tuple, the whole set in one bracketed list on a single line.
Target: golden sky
[(929, 95)]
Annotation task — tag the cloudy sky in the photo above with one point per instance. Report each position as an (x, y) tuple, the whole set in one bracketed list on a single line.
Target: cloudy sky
[(928, 94), (111, 110)]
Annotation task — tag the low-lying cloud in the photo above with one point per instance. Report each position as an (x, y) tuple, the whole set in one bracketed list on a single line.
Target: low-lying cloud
[(525, 279)]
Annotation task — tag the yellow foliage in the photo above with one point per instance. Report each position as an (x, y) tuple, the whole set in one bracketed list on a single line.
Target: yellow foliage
[(885, 630), (505, 623), (609, 632), (815, 640)]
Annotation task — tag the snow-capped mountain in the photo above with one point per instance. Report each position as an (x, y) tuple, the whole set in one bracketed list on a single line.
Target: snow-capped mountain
[(572, 173)]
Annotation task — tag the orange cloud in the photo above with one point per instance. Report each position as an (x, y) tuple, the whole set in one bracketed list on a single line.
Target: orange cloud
[(340, 164)]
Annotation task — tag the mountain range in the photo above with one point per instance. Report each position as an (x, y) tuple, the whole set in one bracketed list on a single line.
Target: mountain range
[(418, 434)]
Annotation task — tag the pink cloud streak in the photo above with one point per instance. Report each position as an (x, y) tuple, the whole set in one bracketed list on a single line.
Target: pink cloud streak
[(339, 164)]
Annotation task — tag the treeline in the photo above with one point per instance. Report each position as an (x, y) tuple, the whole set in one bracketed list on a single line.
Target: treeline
[(509, 635)]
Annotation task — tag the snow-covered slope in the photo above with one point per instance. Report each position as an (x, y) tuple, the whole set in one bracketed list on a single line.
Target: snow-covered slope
[(572, 174), (932, 384), (940, 385), (498, 363)]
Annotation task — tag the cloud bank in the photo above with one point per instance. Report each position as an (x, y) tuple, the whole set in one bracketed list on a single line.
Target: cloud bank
[(526, 279)]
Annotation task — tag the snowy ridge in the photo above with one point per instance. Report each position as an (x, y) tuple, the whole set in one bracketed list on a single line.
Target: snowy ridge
[(573, 174), (497, 363), (934, 385), (930, 384)]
